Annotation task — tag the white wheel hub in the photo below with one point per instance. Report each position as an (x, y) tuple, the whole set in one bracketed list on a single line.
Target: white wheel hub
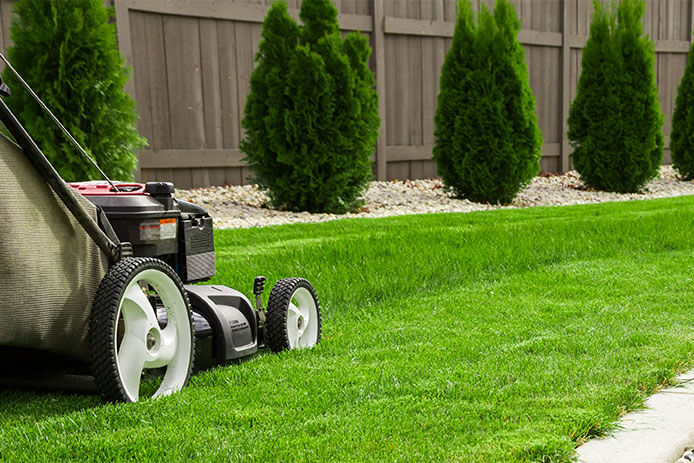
[(302, 320), (144, 344)]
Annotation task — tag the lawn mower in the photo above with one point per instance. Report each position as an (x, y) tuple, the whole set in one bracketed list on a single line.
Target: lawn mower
[(102, 277)]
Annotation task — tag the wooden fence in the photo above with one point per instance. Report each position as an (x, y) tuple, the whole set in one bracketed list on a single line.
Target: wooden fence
[(192, 61)]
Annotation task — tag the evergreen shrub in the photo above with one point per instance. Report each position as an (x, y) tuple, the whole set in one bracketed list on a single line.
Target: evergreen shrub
[(487, 142), (311, 118), (682, 135), (615, 121), (66, 50)]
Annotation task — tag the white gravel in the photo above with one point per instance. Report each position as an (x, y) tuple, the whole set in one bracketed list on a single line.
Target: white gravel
[(246, 206)]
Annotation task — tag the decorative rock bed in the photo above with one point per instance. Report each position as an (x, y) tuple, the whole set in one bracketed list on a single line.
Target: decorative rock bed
[(246, 206)]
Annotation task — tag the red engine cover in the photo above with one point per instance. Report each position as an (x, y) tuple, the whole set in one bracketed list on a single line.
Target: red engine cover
[(103, 188)]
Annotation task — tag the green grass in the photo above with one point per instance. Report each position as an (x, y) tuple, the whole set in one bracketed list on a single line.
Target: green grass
[(497, 336)]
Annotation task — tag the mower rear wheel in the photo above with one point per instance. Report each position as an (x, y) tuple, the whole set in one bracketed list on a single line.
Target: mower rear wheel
[(127, 337), (293, 315)]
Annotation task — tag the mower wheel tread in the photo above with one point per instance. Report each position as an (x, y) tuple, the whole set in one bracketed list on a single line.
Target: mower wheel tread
[(277, 309), (102, 320)]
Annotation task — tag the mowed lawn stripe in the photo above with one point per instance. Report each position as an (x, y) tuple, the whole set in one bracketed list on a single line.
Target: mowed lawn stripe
[(477, 337)]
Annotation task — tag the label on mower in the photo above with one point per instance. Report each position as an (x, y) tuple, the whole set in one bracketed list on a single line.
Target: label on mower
[(163, 229), (168, 228)]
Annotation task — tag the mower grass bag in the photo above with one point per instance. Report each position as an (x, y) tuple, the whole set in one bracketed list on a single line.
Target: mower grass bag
[(49, 266)]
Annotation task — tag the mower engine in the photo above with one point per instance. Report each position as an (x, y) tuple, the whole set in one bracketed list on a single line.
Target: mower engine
[(181, 234), (158, 225)]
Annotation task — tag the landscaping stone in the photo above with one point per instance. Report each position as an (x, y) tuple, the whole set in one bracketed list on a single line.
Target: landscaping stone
[(247, 206)]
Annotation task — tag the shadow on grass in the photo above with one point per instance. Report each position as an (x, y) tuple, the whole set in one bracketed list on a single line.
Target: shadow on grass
[(27, 405), (36, 400)]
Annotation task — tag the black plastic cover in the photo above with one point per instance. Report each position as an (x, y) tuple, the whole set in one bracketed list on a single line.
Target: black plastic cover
[(159, 188), (196, 260), (230, 315)]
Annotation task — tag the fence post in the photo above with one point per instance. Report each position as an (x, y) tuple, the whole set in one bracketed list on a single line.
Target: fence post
[(565, 87), (380, 57)]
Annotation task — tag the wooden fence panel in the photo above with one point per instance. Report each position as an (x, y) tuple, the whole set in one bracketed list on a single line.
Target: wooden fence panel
[(192, 63)]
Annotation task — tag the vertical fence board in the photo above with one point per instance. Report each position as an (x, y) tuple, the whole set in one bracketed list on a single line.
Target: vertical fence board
[(390, 45), (228, 89), (226, 35), (156, 75), (182, 43), (364, 7), (380, 69), (449, 8), (348, 6), (211, 93), (398, 170), (244, 64), (429, 90), (438, 53), (648, 19), (211, 89), (414, 89), (565, 84), (255, 35), (663, 61), (141, 80), (685, 14), (673, 20)]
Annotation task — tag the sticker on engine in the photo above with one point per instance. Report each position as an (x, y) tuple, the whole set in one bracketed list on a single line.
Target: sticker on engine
[(149, 231), (167, 229)]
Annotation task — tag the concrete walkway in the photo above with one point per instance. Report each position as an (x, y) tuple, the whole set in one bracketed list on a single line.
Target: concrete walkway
[(657, 434)]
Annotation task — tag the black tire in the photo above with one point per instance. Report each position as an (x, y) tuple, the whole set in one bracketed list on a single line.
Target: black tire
[(278, 331), (104, 324)]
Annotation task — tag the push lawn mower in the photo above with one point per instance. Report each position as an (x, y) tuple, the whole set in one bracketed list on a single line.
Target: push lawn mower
[(99, 276)]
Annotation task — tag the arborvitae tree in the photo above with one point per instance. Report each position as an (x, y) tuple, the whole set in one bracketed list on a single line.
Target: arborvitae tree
[(66, 50), (615, 121), (682, 135), (488, 144), (311, 118)]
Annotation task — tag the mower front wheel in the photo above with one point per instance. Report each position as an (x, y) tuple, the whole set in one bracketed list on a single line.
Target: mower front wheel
[(140, 322), (293, 315)]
